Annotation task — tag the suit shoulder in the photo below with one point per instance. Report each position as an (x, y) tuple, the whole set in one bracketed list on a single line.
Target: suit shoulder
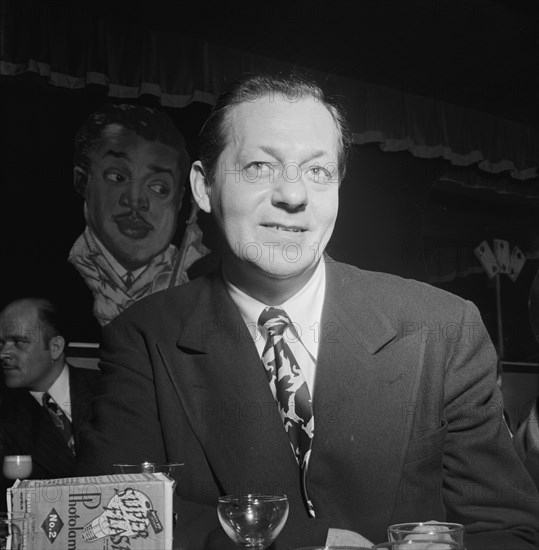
[(83, 374), (13, 404), (186, 293), (397, 294), (172, 302)]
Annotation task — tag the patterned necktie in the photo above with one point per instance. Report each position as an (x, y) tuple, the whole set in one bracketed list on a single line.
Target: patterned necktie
[(289, 389), (61, 421)]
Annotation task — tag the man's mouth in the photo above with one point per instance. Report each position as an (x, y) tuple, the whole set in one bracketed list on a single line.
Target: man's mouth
[(8, 367), (133, 227), (286, 228)]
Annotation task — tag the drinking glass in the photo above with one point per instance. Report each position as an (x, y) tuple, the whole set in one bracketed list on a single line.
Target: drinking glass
[(334, 548), (418, 544), (16, 531), (433, 531), (17, 466), (253, 521), (171, 469)]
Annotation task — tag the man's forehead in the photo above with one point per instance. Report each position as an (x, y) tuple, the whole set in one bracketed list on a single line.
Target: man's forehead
[(119, 139), (304, 106), (19, 318), (113, 131), (305, 122)]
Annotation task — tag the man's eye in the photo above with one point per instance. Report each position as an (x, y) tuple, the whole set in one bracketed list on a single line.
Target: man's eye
[(114, 175), (160, 188), (258, 170), (319, 174)]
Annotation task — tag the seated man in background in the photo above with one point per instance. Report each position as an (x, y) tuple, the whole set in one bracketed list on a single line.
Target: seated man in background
[(287, 372), (45, 401)]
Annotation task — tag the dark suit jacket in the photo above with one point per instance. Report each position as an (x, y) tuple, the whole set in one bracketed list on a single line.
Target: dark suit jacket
[(408, 416), (27, 428)]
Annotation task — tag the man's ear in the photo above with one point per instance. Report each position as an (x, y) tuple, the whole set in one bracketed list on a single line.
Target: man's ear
[(56, 347), (200, 186), (80, 180)]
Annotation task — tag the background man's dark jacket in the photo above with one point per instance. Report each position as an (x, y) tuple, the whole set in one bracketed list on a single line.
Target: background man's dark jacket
[(26, 428)]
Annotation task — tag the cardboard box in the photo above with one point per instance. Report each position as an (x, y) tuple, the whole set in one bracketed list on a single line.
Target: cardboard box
[(116, 512)]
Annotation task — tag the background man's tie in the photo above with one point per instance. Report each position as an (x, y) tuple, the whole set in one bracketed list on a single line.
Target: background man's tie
[(61, 421), (289, 389)]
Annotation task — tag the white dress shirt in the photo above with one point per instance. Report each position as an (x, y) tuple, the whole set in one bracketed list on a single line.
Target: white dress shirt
[(59, 391), (305, 312)]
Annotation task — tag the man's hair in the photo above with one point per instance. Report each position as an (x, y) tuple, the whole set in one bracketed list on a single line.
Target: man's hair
[(54, 323), (151, 124), (215, 133)]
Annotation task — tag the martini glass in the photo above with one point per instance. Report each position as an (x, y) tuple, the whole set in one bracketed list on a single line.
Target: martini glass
[(429, 531), (335, 548), (253, 521), (419, 544)]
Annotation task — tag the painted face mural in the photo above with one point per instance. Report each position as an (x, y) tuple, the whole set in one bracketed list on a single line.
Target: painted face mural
[(130, 166)]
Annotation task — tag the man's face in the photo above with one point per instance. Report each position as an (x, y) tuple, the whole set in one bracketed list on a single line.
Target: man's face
[(132, 195), (26, 363), (275, 194)]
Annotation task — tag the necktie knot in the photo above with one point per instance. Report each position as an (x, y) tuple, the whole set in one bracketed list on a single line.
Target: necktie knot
[(274, 320), (49, 402)]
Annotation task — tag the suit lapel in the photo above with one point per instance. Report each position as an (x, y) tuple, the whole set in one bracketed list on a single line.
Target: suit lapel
[(81, 393), (221, 383), (360, 397)]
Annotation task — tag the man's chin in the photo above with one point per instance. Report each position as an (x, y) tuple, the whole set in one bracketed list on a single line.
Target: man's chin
[(132, 255), (12, 381), (283, 270), (132, 264)]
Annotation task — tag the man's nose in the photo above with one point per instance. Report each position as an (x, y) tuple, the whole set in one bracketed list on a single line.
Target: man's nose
[(4, 350), (134, 197), (290, 191)]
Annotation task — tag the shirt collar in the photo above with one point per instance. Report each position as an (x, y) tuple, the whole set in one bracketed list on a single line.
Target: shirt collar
[(304, 309), (59, 391)]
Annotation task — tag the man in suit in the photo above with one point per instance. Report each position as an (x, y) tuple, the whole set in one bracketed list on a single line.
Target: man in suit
[(45, 401), (367, 399)]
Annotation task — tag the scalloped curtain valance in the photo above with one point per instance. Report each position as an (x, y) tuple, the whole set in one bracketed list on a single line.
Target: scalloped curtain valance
[(130, 60)]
